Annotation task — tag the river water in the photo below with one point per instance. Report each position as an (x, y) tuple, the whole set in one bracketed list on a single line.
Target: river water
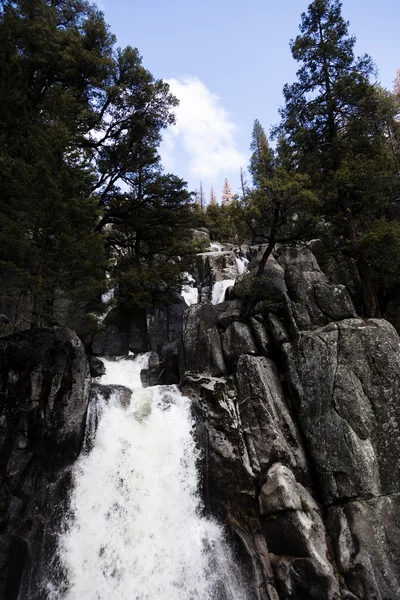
[(136, 529)]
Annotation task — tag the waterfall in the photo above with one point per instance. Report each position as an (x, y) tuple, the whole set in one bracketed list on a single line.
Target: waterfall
[(219, 290), (135, 529)]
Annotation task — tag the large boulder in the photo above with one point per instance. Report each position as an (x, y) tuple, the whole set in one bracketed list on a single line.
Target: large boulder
[(201, 342), (272, 284), (237, 340), (201, 235), (13, 555), (164, 323), (131, 323), (347, 392), (366, 535), (47, 383), (314, 301), (215, 266), (271, 433)]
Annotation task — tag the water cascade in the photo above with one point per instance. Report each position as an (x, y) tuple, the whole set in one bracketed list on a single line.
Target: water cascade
[(219, 289), (135, 529), (189, 292)]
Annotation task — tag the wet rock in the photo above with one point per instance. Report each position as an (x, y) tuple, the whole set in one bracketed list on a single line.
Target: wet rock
[(97, 368), (298, 577), (215, 266), (155, 369), (13, 556), (133, 323), (169, 354), (226, 471), (164, 323)]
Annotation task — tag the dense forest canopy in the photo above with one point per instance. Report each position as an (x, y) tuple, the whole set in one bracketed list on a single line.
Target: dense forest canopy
[(83, 192)]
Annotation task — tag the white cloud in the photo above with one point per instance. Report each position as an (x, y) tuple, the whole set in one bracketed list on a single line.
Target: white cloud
[(204, 133)]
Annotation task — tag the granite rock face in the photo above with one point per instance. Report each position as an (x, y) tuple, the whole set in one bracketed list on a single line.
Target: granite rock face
[(300, 431), (45, 386), (202, 346), (296, 412)]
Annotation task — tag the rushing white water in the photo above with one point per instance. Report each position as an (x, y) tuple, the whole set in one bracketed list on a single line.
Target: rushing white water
[(241, 262), (189, 292), (215, 247), (219, 289), (136, 531)]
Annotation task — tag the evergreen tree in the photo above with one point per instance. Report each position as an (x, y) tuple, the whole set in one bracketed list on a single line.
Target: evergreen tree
[(78, 119), (53, 60), (202, 198), (333, 127), (151, 241), (261, 161), (280, 207), (396, 88), (213, 197), (227, 194)]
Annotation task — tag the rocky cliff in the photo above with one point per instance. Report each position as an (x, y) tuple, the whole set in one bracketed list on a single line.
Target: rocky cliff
[(297, 412)]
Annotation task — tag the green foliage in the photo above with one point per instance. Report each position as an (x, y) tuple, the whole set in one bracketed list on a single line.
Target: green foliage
[(151, 238), (340, 129), (262, 158), (221, 222), (52, 57), (80, 124), (281, 207), (381, 245)]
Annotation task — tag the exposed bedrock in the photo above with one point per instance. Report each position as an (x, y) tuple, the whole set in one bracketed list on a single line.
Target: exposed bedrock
[(298, 413), (45, 386)]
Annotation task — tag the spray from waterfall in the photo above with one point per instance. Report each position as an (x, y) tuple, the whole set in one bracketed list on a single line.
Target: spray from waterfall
[(135, 529)]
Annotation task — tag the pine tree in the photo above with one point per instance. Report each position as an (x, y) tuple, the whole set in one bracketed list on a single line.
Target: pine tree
[(53, 60), (201, 197), (396, 88), (78, 118), (333, 127), (261, 161), (213, 197), (227, 194)]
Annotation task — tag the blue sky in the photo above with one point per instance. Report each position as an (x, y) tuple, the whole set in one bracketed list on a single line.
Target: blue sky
[(227, 61)]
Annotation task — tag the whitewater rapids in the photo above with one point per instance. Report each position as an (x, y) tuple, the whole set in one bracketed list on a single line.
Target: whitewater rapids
[(135, 529)]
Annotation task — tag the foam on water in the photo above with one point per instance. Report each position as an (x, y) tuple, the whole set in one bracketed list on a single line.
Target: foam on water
[(219, 289), (241, 262), (136, 530), (189, 292)]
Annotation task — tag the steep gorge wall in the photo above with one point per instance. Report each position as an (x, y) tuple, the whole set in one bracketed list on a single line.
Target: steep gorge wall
[(300, 410), (297, 412)]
